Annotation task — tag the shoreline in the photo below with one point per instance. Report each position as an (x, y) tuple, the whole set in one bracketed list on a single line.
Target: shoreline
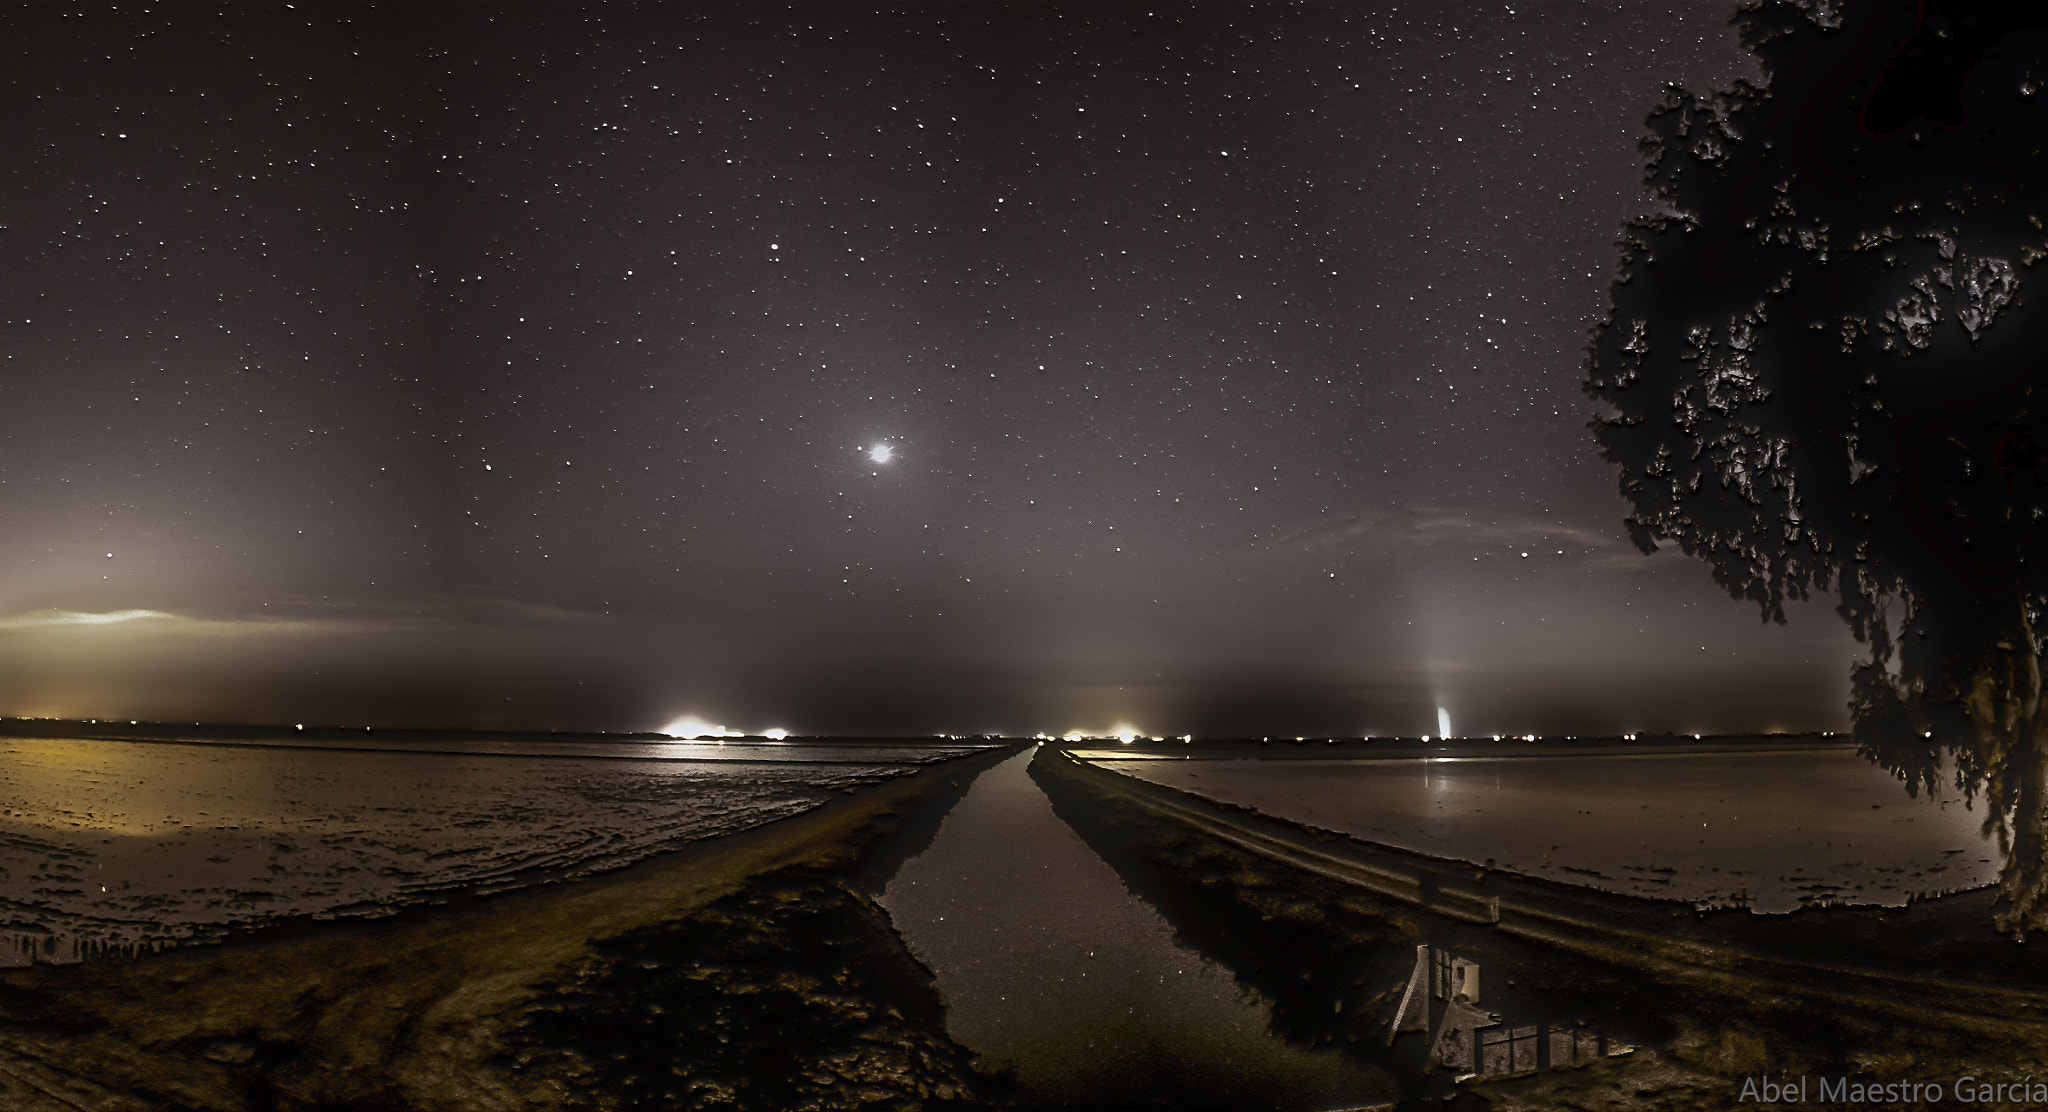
[(1703, 997), (1456, 887)]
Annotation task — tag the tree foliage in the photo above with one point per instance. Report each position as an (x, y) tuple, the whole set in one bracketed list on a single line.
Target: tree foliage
[(1822, 372)]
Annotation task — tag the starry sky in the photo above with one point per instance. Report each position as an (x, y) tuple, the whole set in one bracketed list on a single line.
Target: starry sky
[(525, 366)]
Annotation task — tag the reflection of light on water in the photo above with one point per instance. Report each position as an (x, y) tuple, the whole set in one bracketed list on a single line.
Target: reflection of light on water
[(1090, 990), (1796, 825)]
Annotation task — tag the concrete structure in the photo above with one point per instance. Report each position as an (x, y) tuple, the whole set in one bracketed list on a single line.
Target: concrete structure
[(1443, 1001)]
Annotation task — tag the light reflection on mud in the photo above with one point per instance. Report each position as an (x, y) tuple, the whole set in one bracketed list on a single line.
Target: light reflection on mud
[(111, 846)]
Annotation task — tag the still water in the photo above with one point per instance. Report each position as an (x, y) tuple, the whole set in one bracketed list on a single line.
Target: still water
[(1050, 966), (1777, 828)]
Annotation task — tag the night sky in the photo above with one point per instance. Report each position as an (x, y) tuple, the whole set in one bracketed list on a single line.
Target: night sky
[(524, 366)]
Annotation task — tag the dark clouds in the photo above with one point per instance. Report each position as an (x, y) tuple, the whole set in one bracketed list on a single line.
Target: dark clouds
[(526, 355)]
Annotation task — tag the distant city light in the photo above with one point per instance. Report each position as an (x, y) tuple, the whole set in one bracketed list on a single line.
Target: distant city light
[(691, 726), (776, 734)]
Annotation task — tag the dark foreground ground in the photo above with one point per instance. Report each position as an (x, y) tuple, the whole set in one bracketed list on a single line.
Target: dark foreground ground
[(758, 972), (753, 972)]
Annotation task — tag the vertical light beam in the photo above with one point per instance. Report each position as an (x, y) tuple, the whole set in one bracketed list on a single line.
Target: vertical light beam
[(1443, 723)]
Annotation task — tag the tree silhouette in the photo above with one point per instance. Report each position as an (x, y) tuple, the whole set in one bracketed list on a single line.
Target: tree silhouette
[(1820, 370)]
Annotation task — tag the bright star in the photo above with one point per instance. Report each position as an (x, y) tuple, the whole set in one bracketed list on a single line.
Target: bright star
[(880, 453)]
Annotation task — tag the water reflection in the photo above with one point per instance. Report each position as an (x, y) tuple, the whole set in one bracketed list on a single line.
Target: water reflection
[(1444, 1001), (1773, 830), (1050, 967), (1543, 983)]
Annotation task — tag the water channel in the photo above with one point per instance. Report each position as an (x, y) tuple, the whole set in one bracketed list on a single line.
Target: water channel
[(1051, 967)]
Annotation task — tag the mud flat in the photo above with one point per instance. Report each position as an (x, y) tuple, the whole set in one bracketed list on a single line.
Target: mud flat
[(118, 845), (573, 995), (1679, 1005)]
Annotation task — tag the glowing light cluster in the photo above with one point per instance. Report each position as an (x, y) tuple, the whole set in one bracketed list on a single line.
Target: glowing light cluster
[(691, 726)]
